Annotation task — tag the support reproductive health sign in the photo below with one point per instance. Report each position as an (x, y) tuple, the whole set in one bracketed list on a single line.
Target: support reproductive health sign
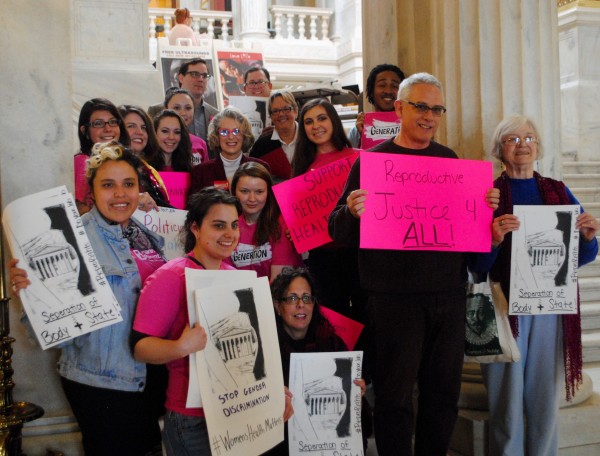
[(307, 200), (425, 203)]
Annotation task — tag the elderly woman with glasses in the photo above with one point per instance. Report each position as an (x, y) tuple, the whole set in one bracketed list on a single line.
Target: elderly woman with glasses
[(229, 137), (524, 396)]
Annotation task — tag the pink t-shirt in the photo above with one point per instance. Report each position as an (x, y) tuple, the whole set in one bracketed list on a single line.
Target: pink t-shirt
[(199, 150), (162, 312), (147, 261), (329, 157), (260, 258), (83, 192)]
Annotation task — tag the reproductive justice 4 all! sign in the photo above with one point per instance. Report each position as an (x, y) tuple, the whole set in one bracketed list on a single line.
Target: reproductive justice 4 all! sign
[(425, 203)]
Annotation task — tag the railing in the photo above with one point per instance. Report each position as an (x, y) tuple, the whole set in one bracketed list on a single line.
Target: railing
[(203, 21), (290, 23)]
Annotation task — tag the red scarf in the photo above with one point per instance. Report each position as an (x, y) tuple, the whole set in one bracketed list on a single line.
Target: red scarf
[(553, 193)]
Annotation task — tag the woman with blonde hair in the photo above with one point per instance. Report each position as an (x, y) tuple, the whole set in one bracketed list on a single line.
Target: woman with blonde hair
[(105, 386)]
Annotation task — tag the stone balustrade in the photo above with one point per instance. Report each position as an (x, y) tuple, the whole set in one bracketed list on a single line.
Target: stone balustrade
[(289, 22), (203, 21)]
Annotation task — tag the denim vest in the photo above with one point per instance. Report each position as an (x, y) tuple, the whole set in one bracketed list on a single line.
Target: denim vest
[(103, 358)]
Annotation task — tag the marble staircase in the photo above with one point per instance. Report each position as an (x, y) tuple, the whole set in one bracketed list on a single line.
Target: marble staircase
[(583, 178)]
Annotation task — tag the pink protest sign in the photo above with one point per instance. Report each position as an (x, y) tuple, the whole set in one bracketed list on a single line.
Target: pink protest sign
[(425, 203), (379, 126), (178, 186), (348, 329), (307, 200)]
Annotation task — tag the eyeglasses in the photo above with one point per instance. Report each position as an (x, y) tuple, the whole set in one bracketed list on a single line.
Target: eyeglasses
[(423, 108), (293, 299), (516, 140), (99, 123), (198, 75), (225, 132), (287, 109), (253, 84)]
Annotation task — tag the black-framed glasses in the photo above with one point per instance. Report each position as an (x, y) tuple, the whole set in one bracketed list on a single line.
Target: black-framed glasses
[(516, 140), (423, 108), (99, 123), (293, 299), (286, 110), (198, 75), (260, 82), (225, 132)]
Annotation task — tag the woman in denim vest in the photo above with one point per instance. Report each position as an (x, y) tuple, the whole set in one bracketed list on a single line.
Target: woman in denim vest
[(102, 382)]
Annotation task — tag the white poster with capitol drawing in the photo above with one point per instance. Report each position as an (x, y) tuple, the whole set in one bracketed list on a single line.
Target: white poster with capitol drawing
[(327, 404), (69, 295), (544, 259), (239, 371)]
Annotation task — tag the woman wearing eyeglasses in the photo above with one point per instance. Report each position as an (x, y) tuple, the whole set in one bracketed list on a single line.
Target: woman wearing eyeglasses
[(99, 121), (277, 147), (524, 396), (182, 27), (301, 328), (229, 137)]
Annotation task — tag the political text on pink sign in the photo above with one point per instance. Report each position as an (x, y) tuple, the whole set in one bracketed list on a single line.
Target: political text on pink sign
[(425, 203), (307, 200)]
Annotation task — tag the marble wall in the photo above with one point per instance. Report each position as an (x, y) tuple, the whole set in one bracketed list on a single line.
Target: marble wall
[(579, 38)]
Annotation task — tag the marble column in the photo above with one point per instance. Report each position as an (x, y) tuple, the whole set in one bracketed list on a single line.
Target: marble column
[(579, 32), (36, 154), (494, 58), (253, 19)]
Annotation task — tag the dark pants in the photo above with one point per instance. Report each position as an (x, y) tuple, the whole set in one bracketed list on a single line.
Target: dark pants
[(418, 339), (112, 422)]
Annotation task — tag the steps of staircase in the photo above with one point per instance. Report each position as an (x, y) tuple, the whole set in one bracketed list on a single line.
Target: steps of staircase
[(582, 180), (590, 317), (589, 288), (590, 270), (591, 346), (574, 167), (586, 195)]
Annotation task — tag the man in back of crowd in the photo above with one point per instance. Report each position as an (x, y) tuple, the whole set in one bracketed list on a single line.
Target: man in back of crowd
[(193, 76), (257, 82)]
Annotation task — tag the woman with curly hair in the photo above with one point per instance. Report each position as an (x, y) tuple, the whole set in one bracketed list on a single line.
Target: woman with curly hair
[(229, 138)]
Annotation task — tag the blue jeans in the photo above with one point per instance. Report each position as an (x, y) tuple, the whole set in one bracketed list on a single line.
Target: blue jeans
[(185, 435), (524, 397)]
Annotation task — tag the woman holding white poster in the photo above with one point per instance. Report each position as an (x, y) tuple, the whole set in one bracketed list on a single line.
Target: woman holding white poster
[(106, 388), (162, 334), (301, 327), (524, 396)]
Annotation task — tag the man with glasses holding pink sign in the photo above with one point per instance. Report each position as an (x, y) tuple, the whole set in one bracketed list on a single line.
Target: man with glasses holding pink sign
[(417, 298)]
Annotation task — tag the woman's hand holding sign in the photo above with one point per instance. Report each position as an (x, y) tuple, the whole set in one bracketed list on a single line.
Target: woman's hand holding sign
[(356, 202)]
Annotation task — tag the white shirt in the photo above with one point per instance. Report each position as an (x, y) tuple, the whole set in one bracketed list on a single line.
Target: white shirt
[(289, 147)]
